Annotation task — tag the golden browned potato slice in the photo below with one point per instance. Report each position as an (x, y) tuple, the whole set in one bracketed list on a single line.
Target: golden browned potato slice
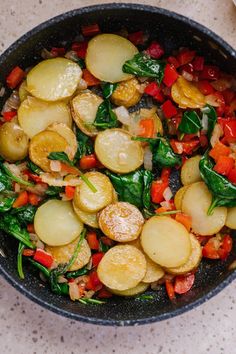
[(89, 219), (186, 94), (196, 202), (106, 55), (14, 143), (89, 201), (54, 79), (179, 197), (84, 109), (56, 224), (63, 130), (231, 218), (117, 151), (23, 93), (121, 221), (190, 172), (138, 289), (193, 261), (166, 241), (63, 254), (35, 115), (122, 267), (126, 94), (42, 145)]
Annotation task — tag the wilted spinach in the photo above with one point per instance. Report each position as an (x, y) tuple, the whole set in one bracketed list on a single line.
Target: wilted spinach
[(105, 117), (210, 112), (85, 145), (190, 123)]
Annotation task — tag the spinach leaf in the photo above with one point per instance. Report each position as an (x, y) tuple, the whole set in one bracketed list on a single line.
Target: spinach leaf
[(6, 203), (60, 156), (108, 89), (190, 123), (12, 177), (105, 117), (142, 65), (147, 181), (77, 273), (212, 118), (5, 181), (54, 192), (25, 214), (33, 168), (85, 145)]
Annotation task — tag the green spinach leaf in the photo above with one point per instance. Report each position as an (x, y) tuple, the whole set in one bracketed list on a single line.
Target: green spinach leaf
[(212, 118), (6, 203), (105, 117), (12, 177), (190, 123), (25, 214), (60, 156), (53, 192), (33, 168), (108, 89), (85, 145)]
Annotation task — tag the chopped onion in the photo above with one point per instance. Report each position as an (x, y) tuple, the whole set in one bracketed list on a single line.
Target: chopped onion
[(204, 122), (89, 294), (167, 194), (40, 244), (216, 134), (2, 91), (61, 279), (17, 188), (59, 182), (165, 204), (45, 54), (82, 85), (147, 159), (55, 166), (74, 291), (187, 75), (212, 100), (122, 115), (2, 253), (12, 103), (38, 189)]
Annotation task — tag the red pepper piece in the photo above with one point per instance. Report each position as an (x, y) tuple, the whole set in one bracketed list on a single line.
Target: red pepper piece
[(90, 30), (58, 52), (96, 258), (15, 77), (92, 240), (186, 56), (198, 63), (215, 248), (21, 200), (210, 72), (87, 162), (224, 165), (228, 96), (169, 109), (136, 38), (187, 147), (232, 175), (27, 252), (170, 290), (154, 90), (155, 50), (165, 174), (170, 75), (30, 228), (70, 192), (157, 190), (173, 61), (230, 131), (104, 294), (94, 282), (9, 115), (205, 87), (34, 199), (147, 128), (43, 258), (183, 283), (89, 78), (225, 247), (80, 49), (219, 150)]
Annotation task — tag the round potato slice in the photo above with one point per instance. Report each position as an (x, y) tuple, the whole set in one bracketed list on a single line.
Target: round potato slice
[(179, 197), (106, 55), (231, 218), (127, 94), (63, 254), (54, 79), (23, 93), (84, 109), (117, 151), (190, 172), (14, 143), (89, 219), (63, 130), (193, 261), (121, 221), (42, 145), (56, 224), (122, 267), (196, 202), (138, 289), (89, 201), (166, 241), (35, 115)]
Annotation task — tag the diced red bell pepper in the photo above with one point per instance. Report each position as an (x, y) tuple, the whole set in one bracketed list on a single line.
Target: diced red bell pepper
[(87, 162), (185, 56), (170, 290), (94, 282), (7, 116), (224, 165), (21, 200), (34, 199), (57, 52), (147, 128), (232, 175), (181, 147), (185, 220), (27, 252), (205, 87), (80, 49), (92, 240), (169, 109), (188, 68), (203, 140), (90, 30), (183, 283), (43, 258), (89, 78), (230, 131), (154, 90), (173, 61), (157, 190), (104, 294), (228, 96), (155, 50), (170, 75), (30, 228), (107, 241), (136, 38), (15, 77), (165, 174), (225, 247), (96, 258), (70, 192), (216, 248), (219, 150), (210, 72), (198, 63)]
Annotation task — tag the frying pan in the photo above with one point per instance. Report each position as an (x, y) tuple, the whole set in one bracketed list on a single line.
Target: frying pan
[(173, 31)]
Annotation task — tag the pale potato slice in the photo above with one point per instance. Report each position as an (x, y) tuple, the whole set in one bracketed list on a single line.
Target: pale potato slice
[(54, 79), (178, 198), (84, 109), (35, 115), (121, 221), (193, 261), (63, 254), (122, 267), (56, 223), (106, 55), (23, 93), (231, 218), (42, 145), (89, 219), (89, 201), (138, 289), (166, 241), (63, 130), (117, 151), (196, 202), (127, 94), (14, 143), (114, 196), (190, 172)]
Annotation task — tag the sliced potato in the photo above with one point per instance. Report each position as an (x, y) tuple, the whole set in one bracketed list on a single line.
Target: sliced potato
[(42, 145), (106, 55), (63, 254), (186, 94), (56, 224), (23, 93), (121, 221), (35, 115), (117, 151), (196, 202), (190, 172), (54, 79), (166, 241), (89, 219), (63, 130), (84, 109), (14, 143), (127, 94), (231, 218), (89, 201), (193, 261), (138, 289), (179, 197), (122, 267)]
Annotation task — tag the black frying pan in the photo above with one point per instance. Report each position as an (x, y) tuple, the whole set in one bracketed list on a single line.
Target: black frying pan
[(173, 31)]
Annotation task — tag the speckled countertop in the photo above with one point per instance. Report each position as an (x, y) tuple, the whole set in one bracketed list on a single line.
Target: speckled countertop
[(26, 328)]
